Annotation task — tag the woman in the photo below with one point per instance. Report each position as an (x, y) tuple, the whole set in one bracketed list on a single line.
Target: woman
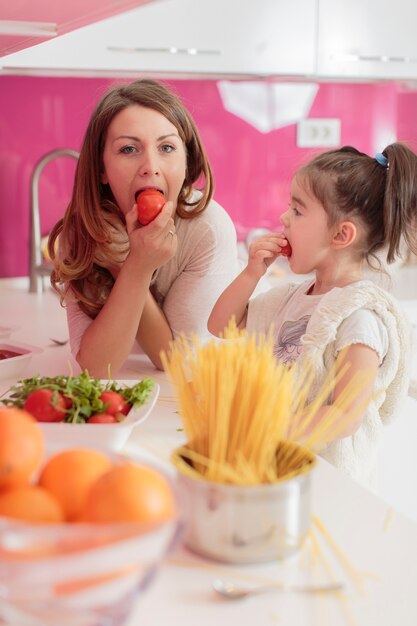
[(123, 282)]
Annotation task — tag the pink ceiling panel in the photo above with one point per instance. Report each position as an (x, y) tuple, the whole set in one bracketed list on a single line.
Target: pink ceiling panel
[(66, 14)]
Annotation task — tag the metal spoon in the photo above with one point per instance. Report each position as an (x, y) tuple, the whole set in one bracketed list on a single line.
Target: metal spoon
[(233, 592)]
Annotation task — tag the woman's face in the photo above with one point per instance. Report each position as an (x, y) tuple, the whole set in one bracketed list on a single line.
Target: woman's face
[(143, 150)]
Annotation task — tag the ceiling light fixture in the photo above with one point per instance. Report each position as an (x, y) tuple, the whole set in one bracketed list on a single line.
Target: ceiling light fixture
[(35, 29)]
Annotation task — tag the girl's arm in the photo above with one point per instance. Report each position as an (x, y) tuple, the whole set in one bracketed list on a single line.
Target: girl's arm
[(109, 338), (234, 300), (363, 363)]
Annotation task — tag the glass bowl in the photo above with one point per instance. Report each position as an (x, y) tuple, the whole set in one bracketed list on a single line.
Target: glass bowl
[(78, 574)]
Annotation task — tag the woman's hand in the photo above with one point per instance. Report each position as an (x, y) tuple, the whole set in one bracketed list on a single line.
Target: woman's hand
[(263, 252), (155, 244), (103, 344)]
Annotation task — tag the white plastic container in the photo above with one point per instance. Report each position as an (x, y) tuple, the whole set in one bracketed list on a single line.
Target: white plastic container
[(106, 437), (14, 366)]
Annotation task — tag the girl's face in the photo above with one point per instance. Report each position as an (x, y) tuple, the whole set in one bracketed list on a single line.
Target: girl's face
[(307, 230), (143, 150)]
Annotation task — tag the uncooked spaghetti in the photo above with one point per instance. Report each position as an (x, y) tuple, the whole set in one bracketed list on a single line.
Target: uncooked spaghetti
[(241, 408)]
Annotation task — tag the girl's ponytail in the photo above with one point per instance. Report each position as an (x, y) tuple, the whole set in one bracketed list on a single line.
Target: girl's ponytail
[(400, 199)]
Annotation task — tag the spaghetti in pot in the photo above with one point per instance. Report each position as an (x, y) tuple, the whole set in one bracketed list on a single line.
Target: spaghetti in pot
[(242, 409)]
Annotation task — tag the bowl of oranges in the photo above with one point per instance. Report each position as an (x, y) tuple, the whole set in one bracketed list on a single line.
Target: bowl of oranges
[(82, 532)]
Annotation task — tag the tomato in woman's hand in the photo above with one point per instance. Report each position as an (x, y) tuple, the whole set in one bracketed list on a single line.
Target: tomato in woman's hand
[(149, 204), (46, 405), (114, 403), (102, 418), (286, 250)]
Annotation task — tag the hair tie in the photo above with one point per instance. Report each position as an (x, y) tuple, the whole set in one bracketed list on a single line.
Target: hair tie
[(382, 160)]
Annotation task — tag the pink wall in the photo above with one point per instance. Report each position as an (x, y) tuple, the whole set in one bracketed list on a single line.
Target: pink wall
[(252, 170)]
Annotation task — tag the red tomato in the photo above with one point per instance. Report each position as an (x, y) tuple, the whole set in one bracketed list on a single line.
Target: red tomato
[(149, 203), (102, 418), (114, 403), (46, 405), (286, 250), (126, 408), (68, 402)]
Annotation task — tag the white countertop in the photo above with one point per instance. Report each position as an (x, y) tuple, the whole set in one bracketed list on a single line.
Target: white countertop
[(379, 542), (383, 548)]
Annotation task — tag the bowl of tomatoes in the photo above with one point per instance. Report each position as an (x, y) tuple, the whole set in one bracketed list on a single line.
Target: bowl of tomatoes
[(82, 532), (84, 411)]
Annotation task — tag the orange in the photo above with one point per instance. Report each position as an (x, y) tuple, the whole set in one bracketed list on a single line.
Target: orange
[(130, 493), (30, 503), (21, 446), (69, 475)]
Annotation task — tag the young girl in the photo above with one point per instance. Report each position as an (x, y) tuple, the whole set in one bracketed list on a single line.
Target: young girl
[(124, 284), (346, 208)]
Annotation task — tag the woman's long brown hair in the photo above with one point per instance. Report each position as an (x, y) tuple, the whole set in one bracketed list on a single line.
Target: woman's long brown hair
[(92, 214)]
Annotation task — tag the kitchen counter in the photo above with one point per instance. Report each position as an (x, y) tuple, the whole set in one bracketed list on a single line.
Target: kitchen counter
[(378, 564), (374, 551)]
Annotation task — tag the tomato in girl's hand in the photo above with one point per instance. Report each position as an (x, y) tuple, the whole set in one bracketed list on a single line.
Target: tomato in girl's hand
[(102, 418), (286, 250), (114, 403), (46, 405), (149, 204)]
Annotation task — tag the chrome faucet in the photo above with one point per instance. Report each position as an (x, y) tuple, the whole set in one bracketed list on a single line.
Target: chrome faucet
[(38, 269)]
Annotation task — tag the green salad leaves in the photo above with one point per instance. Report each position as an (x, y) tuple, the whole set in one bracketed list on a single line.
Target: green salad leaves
[(81, 393)]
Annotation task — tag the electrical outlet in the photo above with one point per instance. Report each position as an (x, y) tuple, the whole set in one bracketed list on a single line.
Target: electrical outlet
[(318, 132)]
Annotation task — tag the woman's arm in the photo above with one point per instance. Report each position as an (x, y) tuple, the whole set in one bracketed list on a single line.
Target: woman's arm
[(109, 338), (154, 332)]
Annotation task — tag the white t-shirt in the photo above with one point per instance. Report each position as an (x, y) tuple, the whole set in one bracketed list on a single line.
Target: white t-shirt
[(291, 319), (188, 285)]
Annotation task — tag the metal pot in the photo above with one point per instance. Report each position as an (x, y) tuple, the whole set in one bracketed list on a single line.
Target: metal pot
[(247, 524)]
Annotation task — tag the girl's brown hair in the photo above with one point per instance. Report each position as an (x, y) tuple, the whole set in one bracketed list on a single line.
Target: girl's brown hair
[(380, 193), (92, 213)]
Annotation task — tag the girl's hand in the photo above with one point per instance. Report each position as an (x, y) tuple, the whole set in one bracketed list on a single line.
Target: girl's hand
[(264, 251), (155, 244)]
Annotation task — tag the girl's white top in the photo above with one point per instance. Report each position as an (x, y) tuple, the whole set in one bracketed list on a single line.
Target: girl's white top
[(316, 328)]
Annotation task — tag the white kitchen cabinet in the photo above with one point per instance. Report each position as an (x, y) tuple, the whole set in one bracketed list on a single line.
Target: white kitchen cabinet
[(220, 37), (367, 39), (319, 39)]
